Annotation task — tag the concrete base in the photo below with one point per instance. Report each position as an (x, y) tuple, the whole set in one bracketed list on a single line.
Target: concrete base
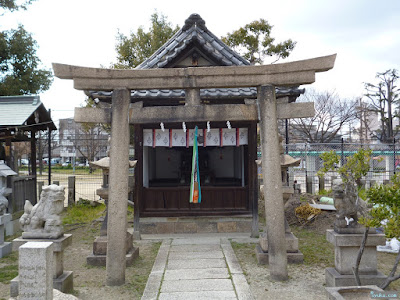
[(42, 235), (64, 280), (63, 283), (346, 251), (210, 224), (14, 287), (357, 292), (292, 257), (292, 242), (59, 244), (5, 249), (100, 260), (136, 235), (334, 279), (353, 230)]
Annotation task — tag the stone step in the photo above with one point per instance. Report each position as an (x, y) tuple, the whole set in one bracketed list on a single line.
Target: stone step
[(212, 224)]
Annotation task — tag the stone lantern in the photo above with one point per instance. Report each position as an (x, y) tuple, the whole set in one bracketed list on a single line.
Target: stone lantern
[(98, 258)]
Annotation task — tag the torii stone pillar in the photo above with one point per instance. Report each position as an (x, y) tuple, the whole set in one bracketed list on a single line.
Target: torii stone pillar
[(118, 188), (271, 169)]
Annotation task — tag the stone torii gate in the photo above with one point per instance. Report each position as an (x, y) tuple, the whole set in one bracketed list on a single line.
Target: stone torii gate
[(266, 109)]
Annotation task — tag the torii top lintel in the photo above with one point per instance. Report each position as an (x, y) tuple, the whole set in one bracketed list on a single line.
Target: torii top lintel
[(283, 74)]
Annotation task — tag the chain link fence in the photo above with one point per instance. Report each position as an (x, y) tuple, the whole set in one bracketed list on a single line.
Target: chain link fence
[(384, 163)]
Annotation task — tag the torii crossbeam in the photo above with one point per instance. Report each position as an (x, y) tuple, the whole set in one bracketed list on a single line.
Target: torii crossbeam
[(267, 110)]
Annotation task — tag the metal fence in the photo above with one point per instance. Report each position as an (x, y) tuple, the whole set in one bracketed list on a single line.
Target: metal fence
[(86, 183), (384, 163)]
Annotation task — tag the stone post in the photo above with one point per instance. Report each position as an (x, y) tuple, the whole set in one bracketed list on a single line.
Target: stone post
[(274, 210), (36, 271), (118, 188), (71, 190), (40, 188), (192, 97)]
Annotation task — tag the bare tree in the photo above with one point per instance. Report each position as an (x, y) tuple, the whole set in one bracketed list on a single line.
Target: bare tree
[(42, 146), (332, 114), (382, 99), (21, 148), (90, 140)]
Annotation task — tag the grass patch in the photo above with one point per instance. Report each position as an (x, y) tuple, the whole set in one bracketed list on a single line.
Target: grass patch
[(140, 270), (68, 170), (325, 192), (9, 259), (8, 267), (243, 250), (237, 246), (82, 213), (315, 248), (7, 273)]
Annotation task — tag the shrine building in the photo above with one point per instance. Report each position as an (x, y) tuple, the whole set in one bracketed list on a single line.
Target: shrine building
[(227, 148)]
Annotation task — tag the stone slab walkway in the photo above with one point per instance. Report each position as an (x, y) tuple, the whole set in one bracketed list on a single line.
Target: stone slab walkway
[(196, 268)]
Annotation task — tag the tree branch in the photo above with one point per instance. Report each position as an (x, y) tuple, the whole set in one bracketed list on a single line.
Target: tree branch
[(359, 256)]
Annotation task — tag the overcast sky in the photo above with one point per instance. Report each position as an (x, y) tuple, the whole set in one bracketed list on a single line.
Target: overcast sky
[(365, 34)]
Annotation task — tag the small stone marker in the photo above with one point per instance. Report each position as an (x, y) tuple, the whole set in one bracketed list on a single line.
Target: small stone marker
[(36, 271), (62, 280)]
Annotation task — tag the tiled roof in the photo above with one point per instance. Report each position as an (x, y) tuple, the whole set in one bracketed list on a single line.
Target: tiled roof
[(195, 30), (16, 110), (204, 93)]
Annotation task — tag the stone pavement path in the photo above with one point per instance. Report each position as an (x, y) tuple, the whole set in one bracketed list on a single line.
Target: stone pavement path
[(196, 268)]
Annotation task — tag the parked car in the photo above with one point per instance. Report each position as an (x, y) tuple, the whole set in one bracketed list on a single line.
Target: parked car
[(66, 164), (24, 162), (55, 161)]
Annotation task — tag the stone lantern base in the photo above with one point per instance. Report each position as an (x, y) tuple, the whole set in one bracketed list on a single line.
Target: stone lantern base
[(98, 258), (347, 246), (294, 256)]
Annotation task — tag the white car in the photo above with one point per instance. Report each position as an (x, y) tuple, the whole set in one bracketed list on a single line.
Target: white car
[(24, 162), (65, 164)]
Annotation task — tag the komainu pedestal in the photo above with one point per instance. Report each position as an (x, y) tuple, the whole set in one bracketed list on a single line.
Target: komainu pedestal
[(347, 246), (62, 280)]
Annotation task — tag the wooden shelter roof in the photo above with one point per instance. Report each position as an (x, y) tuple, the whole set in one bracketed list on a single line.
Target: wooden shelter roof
[(24, 113)]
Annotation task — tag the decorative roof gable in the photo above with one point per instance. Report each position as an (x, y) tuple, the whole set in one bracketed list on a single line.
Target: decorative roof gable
[(194, 39), (194, 45)]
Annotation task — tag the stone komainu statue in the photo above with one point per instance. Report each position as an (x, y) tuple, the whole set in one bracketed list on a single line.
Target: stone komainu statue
[(43, 220), (347, 205)]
